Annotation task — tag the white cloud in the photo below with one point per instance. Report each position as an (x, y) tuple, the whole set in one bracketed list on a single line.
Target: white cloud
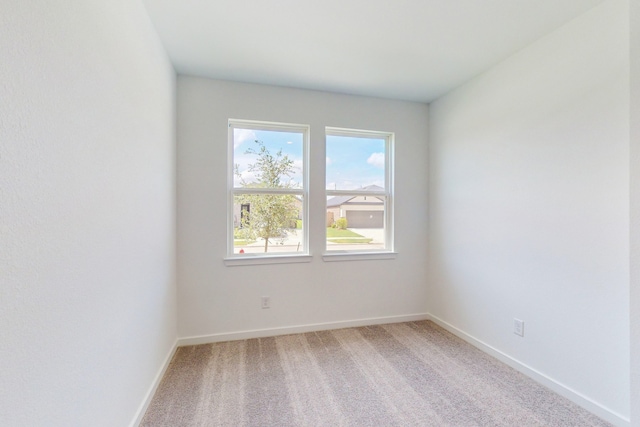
[(246, 176), (289, 142), (242, 135), (329, 161), (376, 159), (296, 177)]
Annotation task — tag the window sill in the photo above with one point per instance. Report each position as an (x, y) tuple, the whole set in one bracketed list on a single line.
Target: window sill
[(357, 256), (266, 259)]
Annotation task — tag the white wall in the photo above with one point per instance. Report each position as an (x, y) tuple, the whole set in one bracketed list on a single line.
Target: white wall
[(215, 299), (635, 211), (529, 207), (87, 223)]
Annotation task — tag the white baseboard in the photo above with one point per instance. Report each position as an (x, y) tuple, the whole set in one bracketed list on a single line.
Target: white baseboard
[(154, 386), (563, 390), (271, 332)]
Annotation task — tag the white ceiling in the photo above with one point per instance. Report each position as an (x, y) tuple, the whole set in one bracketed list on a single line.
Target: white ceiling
[(404, 49)]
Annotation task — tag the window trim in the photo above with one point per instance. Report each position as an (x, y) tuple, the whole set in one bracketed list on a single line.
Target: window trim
[(335, 256), (388, 252), (274, 257), (251, 259)]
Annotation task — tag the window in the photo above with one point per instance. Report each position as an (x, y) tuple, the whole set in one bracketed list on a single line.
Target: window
[(268, 181), (359, 191)]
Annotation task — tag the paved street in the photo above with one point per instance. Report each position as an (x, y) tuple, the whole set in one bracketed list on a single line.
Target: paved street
[(293, 243)]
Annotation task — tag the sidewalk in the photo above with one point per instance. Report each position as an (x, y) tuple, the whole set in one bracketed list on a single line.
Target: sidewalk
[(293, 242)]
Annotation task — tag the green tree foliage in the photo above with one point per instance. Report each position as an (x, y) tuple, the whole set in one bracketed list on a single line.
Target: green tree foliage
[(270, 216)]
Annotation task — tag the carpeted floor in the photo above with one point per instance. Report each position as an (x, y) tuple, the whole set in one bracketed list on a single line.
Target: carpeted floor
[(403, 374)]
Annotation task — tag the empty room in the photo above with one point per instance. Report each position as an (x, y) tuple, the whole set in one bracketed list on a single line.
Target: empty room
[(296, 213)]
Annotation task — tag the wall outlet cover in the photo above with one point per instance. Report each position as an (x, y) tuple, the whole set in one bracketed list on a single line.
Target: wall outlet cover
[(518, 327), (266, 302)]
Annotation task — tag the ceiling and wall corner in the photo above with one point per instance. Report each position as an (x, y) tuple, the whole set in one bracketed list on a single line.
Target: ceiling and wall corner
[(411, 50)]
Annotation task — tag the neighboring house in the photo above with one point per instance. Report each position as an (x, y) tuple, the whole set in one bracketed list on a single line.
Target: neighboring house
[(360, 211), (240, 210)]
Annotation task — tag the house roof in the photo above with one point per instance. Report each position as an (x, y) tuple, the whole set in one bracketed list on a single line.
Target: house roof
[(341, 200)]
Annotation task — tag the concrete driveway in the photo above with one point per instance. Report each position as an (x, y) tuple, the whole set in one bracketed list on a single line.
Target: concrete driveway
[(377, 234)]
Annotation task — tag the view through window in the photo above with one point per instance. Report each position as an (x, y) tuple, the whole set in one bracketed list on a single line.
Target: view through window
[(358, 190), (268, 203)]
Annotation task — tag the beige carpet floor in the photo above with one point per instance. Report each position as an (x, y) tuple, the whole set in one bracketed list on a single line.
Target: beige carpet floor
[(403, 374)]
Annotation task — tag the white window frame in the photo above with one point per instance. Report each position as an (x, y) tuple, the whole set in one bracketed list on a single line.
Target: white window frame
[(388, 251), (234, 259)]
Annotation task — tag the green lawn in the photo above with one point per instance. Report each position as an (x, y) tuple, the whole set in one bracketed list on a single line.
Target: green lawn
[(336, 235), (242, 242), (336, 232)]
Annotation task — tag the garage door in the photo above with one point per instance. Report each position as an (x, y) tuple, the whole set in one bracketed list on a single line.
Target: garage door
[(365, 219)]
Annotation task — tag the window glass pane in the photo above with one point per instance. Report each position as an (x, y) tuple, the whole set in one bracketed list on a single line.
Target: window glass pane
[(355, 163), (267, 159), (267, 223), (355, 223)]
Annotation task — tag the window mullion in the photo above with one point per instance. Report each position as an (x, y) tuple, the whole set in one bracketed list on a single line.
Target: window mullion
[(249, 190), (356, 193)]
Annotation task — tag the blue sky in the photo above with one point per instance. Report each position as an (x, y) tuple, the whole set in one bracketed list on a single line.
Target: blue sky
[(352, 162), (289, 142)]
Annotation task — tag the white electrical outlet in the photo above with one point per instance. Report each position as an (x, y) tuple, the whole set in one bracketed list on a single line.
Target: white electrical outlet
[(518, 327), (266, 302)]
